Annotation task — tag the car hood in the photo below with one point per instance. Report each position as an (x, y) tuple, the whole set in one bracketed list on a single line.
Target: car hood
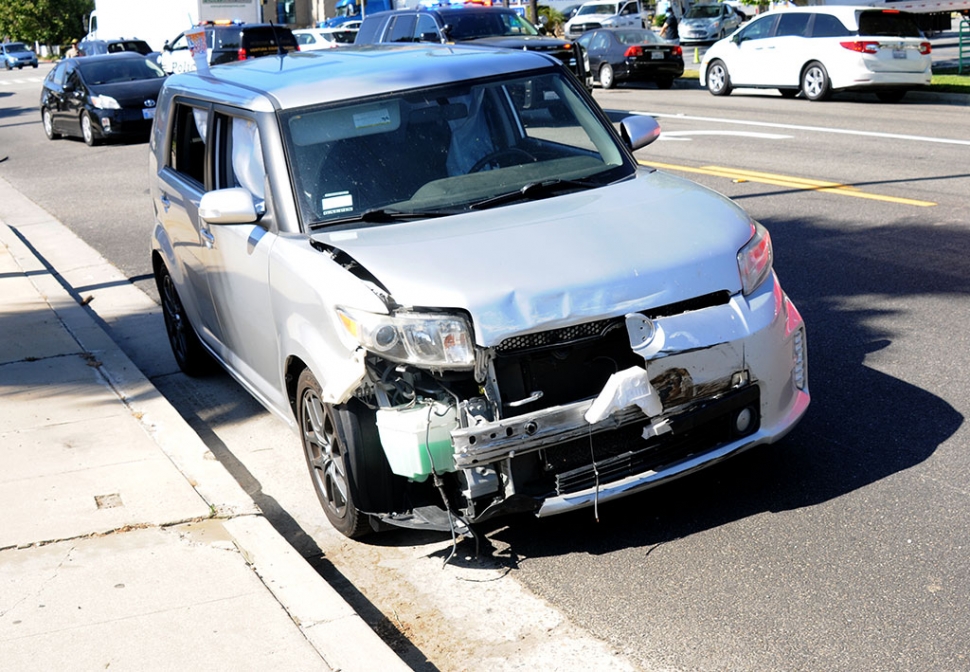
[(699, 23), (131, 94), (639, 244)]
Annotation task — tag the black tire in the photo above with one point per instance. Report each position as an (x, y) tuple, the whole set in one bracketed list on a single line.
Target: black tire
[(190, 355), (815, 82), (665, 82), (891, 96), (334, 440), (718, 79), (606, 76), (788, 93), (87, 129), (48, 120)]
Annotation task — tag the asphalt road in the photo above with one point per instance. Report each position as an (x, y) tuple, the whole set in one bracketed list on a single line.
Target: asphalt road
[(843, 548)]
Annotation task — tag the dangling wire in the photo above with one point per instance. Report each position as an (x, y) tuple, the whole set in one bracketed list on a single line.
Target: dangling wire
[(596, 473)]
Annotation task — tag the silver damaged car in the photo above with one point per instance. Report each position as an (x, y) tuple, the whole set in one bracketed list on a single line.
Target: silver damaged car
[(443, 267)]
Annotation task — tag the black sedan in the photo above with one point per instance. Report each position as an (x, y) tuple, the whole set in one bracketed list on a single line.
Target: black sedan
[(627, 54), (101, 97)]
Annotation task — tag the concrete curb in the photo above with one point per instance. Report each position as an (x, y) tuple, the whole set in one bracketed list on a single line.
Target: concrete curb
[(35, 241)]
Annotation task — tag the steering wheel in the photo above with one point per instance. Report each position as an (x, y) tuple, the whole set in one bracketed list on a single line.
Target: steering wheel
[(499, 154)]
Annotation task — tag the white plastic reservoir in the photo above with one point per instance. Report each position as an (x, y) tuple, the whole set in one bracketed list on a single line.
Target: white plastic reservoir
[(417, 440)]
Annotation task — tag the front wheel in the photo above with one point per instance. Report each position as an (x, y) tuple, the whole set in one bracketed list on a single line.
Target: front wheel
[(328, 433), (49, 124), (718, 79), (815, 82), (87, 130), (607, 78)]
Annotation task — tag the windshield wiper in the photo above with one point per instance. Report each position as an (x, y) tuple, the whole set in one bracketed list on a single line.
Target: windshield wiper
[(533, 191), (384, 216)]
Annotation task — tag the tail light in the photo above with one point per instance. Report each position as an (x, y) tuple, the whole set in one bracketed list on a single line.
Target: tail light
[(242, 54), (677, 51), (861, 46), (633, 52), (925, 48)]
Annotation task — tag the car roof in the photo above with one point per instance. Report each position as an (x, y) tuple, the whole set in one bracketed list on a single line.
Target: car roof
[(288, 81), (846, 12), (446, 11), (118, 55)]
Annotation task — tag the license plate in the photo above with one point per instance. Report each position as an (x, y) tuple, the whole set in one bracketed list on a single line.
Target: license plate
[(656, 54), (148, 113), (899, 53)]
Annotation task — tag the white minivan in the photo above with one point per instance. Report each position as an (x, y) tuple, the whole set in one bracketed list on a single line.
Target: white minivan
[(816, 51)]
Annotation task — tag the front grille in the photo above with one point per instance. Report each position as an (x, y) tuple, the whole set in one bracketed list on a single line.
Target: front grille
[(703, 428), (559, 337), (589, 330)]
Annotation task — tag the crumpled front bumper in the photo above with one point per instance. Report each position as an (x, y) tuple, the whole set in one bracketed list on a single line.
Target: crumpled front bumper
[(751, 350)]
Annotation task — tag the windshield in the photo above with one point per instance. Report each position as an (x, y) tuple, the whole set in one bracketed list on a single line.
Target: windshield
[(471, 25), (638, 37), (15, 47), (114, 70), (703, 12), (608, 9), (446, 149)]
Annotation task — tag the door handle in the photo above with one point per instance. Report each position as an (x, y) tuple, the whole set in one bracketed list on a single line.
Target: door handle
[(207, 238), (166, 204)]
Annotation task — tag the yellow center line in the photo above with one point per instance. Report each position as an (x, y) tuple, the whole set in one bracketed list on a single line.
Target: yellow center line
[(787, 181)]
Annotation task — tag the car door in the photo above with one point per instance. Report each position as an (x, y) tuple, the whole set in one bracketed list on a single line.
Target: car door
[(73, 101), (748, 53), (595, 44), (53, 95), (789, 49), (630, 15), (236, 260), (181, 184)]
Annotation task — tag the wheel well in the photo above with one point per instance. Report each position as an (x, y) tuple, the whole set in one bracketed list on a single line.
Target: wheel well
[(291, 376)]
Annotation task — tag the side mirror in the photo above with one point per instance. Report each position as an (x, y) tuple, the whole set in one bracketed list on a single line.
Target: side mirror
[(228, 206), (638, 131), (166, 46)]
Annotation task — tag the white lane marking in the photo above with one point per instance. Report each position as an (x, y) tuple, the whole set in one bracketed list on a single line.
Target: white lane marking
[(817, 129), (683, 135)]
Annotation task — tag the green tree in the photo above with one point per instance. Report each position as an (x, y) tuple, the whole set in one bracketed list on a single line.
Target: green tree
[(50, 22)]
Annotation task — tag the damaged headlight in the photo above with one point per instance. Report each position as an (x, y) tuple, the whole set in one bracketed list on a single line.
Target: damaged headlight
[(755, 259), (432, 340)]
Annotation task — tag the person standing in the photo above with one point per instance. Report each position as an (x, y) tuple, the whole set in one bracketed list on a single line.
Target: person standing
[(72, 51), (669, 30)]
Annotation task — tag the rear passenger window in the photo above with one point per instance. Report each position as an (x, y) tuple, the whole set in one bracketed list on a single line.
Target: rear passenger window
[(827, 25), (187, 153), (402, 29), (793, 24)]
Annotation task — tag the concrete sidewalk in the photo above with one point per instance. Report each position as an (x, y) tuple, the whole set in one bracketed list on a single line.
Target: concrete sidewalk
[(123, 542)]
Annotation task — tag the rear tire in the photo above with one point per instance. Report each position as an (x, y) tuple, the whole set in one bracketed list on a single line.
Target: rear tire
[(718, 79), (192, 358), (607, 78), (815, 82)]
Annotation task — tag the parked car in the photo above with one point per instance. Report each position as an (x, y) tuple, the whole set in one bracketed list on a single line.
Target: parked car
[(98, 47), (632, 54), (470, 24), (708, 23), (821, 50), (604, 14), (311, 39), (101, 97), (17, 55), (525, 319), (228, 41)]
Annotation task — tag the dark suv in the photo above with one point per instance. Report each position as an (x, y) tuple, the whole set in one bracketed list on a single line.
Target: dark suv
[(228, 42), (486, 26)]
